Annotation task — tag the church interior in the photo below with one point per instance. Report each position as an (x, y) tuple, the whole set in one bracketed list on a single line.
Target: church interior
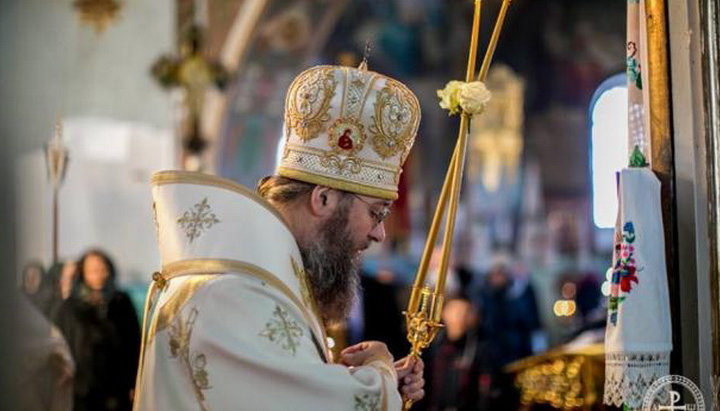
[(122, 89)]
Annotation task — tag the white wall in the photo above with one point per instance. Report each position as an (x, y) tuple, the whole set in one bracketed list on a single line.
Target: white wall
[(53, 66), (105, 200)]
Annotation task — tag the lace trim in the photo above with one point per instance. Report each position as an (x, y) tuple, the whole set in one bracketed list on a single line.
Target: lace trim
[(629, 375)]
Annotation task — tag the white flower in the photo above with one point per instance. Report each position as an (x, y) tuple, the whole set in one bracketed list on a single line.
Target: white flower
[(449, 96), (469, 98), (474, 97)]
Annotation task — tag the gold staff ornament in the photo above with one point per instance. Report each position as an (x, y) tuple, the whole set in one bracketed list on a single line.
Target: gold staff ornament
[(56, 159), (468, 98)]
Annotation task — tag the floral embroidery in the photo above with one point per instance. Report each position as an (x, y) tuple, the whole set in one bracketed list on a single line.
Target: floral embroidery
[(195, 363), (367, 402), (343, 165), (198, 219), (394, 121), (308, 103), (282, 329), (624, 272), (356, 92), (633, 67)]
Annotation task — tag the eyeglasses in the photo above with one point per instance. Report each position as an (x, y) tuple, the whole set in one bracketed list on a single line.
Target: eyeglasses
[(378, 216)]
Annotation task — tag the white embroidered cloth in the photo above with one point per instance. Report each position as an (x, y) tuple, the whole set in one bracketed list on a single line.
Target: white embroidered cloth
[(638, 338)]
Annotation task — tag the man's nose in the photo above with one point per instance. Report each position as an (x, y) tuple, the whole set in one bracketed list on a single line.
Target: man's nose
[(378, 233)]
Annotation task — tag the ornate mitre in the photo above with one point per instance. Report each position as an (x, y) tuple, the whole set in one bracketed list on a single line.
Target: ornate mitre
[(349, 129)]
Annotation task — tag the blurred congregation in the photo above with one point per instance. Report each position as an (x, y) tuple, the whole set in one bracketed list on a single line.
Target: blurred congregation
[(491, 319), (95, 335)]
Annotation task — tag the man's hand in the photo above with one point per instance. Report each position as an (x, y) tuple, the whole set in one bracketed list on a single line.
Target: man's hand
[(364, 353), (410, 377)]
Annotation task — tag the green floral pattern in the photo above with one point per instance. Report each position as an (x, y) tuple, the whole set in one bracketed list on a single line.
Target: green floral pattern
[(367, 402), (634, 72)]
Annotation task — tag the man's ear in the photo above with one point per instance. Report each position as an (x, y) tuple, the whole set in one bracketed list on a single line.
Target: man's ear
[(323, 201)]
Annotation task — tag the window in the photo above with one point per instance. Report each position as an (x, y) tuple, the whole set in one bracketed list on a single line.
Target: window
[(608, 146)]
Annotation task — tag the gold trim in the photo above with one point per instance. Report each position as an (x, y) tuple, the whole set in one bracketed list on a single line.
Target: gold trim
[(662, 153), (166, 313), (193, 361), (149, 299), (190, 177), (371, 86), (386, 371), (378, 165), (333, 136), (305, 289), (345, 74), (222, 266), (338, 184), (386, 142), (365, 71), (662, 158), (309, 125)]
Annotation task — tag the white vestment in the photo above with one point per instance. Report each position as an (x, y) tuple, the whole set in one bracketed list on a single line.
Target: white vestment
[(231, 324)]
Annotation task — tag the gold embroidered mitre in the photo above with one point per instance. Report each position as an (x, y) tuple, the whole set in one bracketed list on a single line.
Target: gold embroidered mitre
[(348, 128)]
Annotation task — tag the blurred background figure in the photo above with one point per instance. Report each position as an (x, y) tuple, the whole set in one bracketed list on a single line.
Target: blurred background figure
[(66, 280), (57, 286), (592, 313), (37, 286), (511, 314), (382, 312), (102, 329), (453, 284), (522, 292), (510, 319), (460, 365), (44, 367)]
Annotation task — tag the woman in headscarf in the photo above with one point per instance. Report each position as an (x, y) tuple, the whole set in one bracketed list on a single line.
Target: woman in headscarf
[(102, 329)]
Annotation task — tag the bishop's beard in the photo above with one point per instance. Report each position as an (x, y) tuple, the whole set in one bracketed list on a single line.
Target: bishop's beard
[(331, 265)]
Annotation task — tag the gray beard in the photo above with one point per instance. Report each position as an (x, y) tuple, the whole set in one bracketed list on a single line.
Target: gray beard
[(332, 268)]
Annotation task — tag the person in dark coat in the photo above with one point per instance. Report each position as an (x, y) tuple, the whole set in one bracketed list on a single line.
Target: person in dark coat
[(510, 317), (510, 314), (460, 364), (103, 332), (382, 315)]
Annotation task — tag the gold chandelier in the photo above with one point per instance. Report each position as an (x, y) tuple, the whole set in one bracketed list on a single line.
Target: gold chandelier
[(97, 13), (496, 137)]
